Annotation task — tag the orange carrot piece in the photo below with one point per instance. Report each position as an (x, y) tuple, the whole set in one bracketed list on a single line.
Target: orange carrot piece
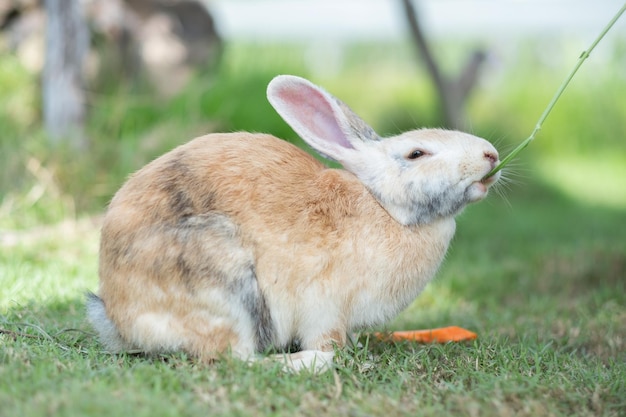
[(440, 335)]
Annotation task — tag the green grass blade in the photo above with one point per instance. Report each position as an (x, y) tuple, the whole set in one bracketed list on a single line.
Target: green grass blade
[(583, 56)]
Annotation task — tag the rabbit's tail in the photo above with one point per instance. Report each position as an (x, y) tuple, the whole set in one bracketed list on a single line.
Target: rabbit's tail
[(107, 332)]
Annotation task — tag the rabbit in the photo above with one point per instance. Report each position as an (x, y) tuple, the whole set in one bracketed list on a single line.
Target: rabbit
[(240, 243)]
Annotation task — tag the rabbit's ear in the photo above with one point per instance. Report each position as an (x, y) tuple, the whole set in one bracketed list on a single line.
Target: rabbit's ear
[(324, 122)]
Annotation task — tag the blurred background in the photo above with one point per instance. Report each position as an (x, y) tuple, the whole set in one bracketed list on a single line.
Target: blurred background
[(91, 92)]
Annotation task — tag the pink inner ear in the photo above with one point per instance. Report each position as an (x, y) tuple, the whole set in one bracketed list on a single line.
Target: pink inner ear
[(310, 108)]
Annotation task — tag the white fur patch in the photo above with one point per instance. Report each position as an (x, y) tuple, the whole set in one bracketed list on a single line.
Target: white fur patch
[(156, 332), (316, 361)]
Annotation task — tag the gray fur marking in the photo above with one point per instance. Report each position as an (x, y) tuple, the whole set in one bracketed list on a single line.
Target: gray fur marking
[(430, 207), (253, 300), (361, 129)]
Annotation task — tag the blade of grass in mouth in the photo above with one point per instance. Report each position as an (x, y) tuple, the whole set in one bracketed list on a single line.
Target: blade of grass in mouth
[(583, 56)]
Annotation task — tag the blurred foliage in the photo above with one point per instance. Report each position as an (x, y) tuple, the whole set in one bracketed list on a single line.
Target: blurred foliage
[(130, 125)]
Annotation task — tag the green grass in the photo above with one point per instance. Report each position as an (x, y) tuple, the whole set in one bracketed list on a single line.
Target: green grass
[(543, 289), (541, 277)]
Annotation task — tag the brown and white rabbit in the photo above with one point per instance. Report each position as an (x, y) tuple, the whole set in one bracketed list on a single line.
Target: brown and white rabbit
[(242, 242)]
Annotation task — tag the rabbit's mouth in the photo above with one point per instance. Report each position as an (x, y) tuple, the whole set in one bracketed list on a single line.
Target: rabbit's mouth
[(479, 189), (476, 191), (489, 181)]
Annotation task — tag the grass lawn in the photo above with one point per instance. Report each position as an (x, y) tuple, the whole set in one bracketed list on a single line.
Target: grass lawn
[(541, 279)]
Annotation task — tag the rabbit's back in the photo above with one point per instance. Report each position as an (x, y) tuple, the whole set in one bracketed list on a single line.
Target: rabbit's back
[(210, 172)]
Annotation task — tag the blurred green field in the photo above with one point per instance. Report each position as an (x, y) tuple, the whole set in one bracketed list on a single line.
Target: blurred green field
[(539, 272), (581, 150)]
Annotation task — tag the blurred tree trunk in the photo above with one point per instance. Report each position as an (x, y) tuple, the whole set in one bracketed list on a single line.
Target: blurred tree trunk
[(63, 93), (453, 93)]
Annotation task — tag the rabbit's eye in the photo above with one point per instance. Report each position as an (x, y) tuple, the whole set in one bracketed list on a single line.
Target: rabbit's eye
[(415, 154)]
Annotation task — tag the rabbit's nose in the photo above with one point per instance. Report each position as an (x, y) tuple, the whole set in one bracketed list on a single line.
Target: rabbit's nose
[(492, 157)]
